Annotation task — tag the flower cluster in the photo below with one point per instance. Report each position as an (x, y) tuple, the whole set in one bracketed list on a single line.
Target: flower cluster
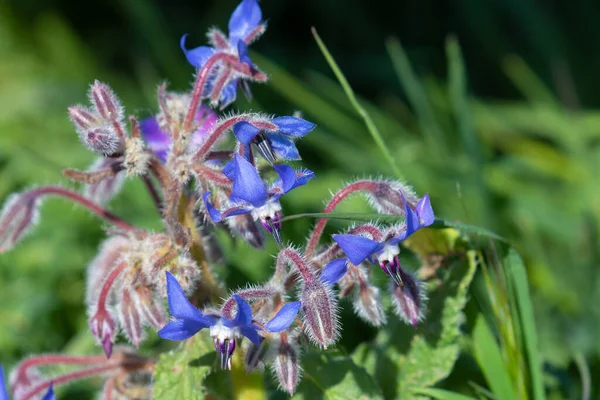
[(200, 179)]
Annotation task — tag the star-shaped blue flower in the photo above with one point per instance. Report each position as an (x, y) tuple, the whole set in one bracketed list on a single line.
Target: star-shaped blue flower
[(250, 194), (244, 26), (385, 253), (189, 321), (4, 392), (276, 144)]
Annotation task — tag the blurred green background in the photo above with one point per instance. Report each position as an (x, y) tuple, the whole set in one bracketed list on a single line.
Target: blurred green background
[(521, 157)]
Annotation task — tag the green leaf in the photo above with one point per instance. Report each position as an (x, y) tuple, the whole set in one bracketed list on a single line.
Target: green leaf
[(405, 360), (489, 358), (444, 394), (179, 373), (333, 375), (515, 272)]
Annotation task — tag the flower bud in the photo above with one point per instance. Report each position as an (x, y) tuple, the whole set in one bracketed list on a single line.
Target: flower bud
[(248, 229), (257, 355), (105, 102), (151, 308), (367, 304), (319, 307), (388, 197), (83, 118), (408, 298), (287, 365), (103, 326), (19, 214)]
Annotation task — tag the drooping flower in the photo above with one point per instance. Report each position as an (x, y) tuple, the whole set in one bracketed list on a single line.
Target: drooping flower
[(385, 253), (49, 395), (154, 131), (244, 27), (250, 194), (274, 144), (189, 321)]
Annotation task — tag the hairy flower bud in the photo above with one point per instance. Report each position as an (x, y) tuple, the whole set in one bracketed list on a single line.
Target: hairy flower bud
[(103, 326), (19, 214), (388, 197), (130, 318), (248, 229), (367, 305), (319, 307), (287, 364), (105, 102), (257, 355), (408, 298)]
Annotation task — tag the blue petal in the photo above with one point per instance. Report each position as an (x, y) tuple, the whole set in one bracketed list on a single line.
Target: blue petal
[(425, 212), (158, 140), (228, 94), (412, 221), (284, 318), (180, 329), (3, 391), (243, 53), (293, 126), (251, 333), (284, 148), (247, 185), (287, 177), (215, 215), (49, 394), (235, 211), (334, 271), (245, 132), (244, 19), (243, 316), (357, 248), (198, 56), (180, 306)]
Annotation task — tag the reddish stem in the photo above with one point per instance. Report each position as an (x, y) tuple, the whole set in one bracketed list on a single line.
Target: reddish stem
[(246, 294), (84, 373), (219, 85), (288, 256), (107, 286), (315, 236), (211, 175)]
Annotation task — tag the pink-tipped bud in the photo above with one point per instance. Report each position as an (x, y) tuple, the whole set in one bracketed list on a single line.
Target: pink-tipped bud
[(103, 326), (105, 102), (387, 197), (409, 298), (83, 118), (130, 318), (19, 214), (102, 140), (319, 307), (287, 365)]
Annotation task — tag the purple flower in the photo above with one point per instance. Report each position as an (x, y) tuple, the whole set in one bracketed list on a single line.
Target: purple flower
[(276, 143), (250, 195), (244, 26), (4, 392), (159, 141), (385, 253), (189, 321)]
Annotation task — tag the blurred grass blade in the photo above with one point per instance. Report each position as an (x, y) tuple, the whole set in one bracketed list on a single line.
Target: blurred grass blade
[(459, 100), (527, 82), (517, 278), (441, 394), (489, 358), (359, 109), (416, 94)]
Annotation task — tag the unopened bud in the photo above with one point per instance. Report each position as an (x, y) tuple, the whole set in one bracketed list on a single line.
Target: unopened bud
[(319, 307), (367, 305), (287, 365), (103, 327), (106, 103), (257, 355), (19, 214), (408, 298), (248, 229), (83, 118), (388, 197), (151, 308), (102, 140)]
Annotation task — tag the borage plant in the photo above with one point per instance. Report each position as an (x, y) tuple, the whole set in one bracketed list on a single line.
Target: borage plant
[(200, 180)]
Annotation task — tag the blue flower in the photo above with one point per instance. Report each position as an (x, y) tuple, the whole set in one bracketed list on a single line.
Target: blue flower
[(334, 271), (244, 26), (385, 253), (277, 143), (189, 321), (250, 194), (4, 392)]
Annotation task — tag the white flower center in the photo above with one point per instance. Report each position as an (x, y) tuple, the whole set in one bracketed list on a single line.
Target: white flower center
[(388, 253), (269, 210)]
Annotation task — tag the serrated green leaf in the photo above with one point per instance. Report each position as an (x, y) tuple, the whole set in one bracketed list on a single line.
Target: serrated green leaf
[(333, 375), (489, 358), (405, 360), (179, 374)]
